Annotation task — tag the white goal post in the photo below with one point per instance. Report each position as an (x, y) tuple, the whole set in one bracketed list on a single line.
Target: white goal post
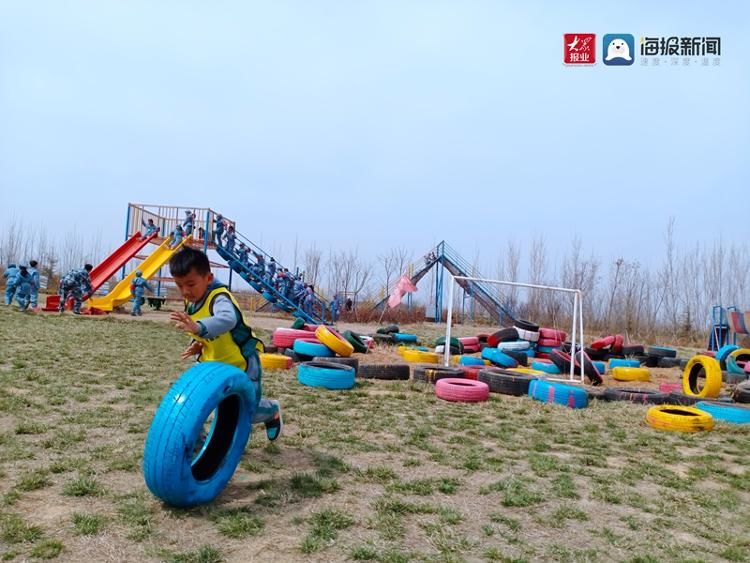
[(576, 331)]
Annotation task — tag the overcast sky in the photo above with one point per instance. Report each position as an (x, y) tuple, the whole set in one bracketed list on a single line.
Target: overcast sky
[(373, 124)]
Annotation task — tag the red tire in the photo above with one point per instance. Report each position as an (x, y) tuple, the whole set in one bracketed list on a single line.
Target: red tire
[(309, 327), (471, 348), (469, 341), (605, 342), (471, 372), (285, 337), (617, 345), (551, 342), (461, 390), (541, 356), (552, 334)]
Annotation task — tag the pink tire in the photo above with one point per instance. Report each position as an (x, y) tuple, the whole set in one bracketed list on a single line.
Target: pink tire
[(551, 342), (552, 334), (670, 387), (469, 341), (605, 342), (285, 337), (461, 390)]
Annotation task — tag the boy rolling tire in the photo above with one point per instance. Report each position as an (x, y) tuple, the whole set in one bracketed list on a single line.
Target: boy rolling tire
[(180, 466)]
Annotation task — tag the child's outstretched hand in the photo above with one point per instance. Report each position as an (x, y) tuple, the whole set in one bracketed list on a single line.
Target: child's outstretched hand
[(194, 348), (184, 322)]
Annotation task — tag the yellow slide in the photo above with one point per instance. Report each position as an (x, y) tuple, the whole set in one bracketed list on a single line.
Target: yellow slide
[(121, 293)]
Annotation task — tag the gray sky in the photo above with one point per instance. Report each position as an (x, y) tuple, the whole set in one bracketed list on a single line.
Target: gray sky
[(374, 124)]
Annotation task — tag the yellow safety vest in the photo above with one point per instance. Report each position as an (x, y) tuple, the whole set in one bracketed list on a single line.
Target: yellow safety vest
[(232, 347)]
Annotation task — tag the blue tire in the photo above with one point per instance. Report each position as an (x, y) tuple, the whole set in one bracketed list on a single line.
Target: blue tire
[(558, 393), (620, 363), (326, 374), (312, 349), (726, 413), (724, 351), (498, 358), (404, 337), (470, 361), (601, 367), (546, 368), (173, 471), (546, 349)]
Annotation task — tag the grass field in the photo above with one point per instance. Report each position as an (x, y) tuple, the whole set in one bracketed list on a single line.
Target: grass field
[(384, 472)]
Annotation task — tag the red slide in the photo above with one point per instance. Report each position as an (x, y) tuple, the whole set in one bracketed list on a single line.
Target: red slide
[(109, 266)]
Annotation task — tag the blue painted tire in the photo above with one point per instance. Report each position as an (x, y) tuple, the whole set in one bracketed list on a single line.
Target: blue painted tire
[(724, 351), (326, 374), (546, 349), (470, 361), (620, 363), (172, 471), (733, 368), (726, 413), (546, 368), (312, 349), (498, 358), (601, 367), (404, 337), (559, 394)]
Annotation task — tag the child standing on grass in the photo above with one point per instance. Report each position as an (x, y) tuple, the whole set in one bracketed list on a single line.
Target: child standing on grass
[(219, 331), (23, 291), (137, 289), (11, 281), (34, 283)]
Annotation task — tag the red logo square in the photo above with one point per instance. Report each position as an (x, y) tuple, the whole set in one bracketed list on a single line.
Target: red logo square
[(579, 48)]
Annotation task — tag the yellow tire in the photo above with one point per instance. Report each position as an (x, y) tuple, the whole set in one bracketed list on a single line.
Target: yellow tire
[(275, 361), (711, 368), (334, 341), (528, 371), (419, 357), (679, 419), (631, 374)]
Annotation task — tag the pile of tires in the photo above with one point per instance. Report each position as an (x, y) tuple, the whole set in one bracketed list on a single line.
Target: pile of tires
[(306, 342)]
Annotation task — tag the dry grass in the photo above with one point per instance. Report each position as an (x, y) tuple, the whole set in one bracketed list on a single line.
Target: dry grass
[(384, 472)]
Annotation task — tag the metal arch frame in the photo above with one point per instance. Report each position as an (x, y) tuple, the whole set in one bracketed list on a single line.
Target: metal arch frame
[(576, 332)]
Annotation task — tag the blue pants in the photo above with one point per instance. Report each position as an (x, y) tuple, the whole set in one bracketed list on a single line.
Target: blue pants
[(137, 302), (34, 298), (175, 242), (10, 291), (23, 300), (265, 409)]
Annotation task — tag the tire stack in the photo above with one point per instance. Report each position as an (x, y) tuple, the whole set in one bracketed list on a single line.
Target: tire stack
[(550, 339)]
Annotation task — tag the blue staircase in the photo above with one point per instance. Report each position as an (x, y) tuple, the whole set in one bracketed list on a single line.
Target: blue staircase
[(488, 295), (269, 292)]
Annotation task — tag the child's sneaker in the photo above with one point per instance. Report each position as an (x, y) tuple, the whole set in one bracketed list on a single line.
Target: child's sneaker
[(274, 427)]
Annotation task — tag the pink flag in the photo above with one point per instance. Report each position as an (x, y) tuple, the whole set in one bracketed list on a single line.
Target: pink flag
[(404, 285)]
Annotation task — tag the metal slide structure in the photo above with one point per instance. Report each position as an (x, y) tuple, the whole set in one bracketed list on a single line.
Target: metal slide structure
[(150, 266), (109, 266), (445, 256), (320, 313)]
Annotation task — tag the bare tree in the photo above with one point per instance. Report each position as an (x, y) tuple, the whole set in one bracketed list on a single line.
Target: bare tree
[(312, 264)]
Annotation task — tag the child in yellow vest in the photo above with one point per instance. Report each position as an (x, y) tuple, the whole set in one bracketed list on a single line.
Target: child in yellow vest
[(218, 328)]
